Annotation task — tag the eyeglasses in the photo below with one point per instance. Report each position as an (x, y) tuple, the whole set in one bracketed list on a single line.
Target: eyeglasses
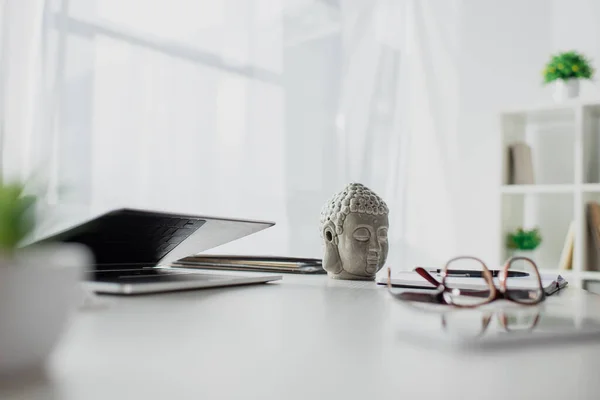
[(519, 281)]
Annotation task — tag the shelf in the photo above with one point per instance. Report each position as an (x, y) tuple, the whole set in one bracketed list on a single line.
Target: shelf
[(551, 108), (591, 187), (558, 188), (590, 275), (551, 214), (534, 189), (563, 151), (570, 274)]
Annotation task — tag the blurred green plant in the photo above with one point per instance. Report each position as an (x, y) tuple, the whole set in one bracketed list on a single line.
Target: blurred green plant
[(568, 65), (17, 216), (524, 239)]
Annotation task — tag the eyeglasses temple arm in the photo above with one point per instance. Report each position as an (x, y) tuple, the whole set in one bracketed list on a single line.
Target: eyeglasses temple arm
[(427, 276)]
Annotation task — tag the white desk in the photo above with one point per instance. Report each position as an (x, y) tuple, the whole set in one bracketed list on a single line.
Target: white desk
[(305, 337)]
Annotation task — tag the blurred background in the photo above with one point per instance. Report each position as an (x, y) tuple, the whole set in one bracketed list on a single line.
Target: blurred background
[(263, 109)]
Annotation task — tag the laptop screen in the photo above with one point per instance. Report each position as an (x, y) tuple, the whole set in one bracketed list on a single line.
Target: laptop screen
[(131, 239)]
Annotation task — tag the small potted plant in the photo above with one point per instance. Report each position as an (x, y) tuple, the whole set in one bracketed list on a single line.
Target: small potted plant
[(39, 285), (566, 70), (523, 242)]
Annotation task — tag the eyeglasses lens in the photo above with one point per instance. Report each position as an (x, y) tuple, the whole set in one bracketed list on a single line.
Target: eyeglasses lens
[(522, 282), (460, 273)]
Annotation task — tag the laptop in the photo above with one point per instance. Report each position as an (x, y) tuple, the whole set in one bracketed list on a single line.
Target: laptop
[(134, 250)]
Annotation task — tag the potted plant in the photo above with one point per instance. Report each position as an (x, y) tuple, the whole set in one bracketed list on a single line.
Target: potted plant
[(566, 70), (523, 242), (39, 285)]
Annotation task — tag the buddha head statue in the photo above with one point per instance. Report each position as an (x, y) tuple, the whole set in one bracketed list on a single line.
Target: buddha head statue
[(354, 228)]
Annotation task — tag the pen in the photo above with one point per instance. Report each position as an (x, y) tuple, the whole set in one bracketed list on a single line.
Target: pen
[(477, 274)]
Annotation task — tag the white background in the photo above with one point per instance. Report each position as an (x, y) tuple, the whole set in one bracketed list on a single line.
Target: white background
[(279, 104)]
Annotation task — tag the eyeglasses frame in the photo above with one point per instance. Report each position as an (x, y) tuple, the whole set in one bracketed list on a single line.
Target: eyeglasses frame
[(495, 293)]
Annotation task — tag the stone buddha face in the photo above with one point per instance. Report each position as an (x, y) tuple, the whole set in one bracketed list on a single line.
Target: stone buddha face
[(354, 227)]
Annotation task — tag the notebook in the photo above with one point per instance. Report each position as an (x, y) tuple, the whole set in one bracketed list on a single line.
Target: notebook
[(410, 279), (252, 263)]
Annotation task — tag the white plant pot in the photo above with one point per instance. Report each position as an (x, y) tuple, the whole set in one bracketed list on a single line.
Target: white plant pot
[(566, 89), (524, 253), (39, 291)]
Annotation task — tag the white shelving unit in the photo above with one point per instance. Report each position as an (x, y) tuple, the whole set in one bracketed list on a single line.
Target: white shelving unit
[(565, 142)]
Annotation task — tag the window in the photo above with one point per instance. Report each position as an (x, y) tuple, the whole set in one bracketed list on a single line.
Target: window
[(157, 104)]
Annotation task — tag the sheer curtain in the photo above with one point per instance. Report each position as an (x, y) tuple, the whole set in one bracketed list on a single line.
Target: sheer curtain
[(256, 108), (21, 32)]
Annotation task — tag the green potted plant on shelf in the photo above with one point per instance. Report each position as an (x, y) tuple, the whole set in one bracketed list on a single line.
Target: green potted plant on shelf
[(39, 284), (566, 70), (523, 242)]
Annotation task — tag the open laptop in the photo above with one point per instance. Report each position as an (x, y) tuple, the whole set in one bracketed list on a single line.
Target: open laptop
[(133, 250)]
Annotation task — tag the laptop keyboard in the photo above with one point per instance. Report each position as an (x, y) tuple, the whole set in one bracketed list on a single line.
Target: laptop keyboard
[(152, 275), (133, 238)]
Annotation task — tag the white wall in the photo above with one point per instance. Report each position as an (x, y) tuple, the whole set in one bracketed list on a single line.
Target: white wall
[(503, 48), (464, 60)]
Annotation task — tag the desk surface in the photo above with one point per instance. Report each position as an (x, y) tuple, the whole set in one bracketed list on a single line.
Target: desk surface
[(301, 338)]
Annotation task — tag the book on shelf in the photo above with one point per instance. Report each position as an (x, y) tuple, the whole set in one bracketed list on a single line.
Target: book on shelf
[(566, 256), (593, 222), (520, 164)]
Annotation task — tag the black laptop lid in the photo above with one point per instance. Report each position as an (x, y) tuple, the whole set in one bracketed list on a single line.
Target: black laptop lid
[(130, 239)]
